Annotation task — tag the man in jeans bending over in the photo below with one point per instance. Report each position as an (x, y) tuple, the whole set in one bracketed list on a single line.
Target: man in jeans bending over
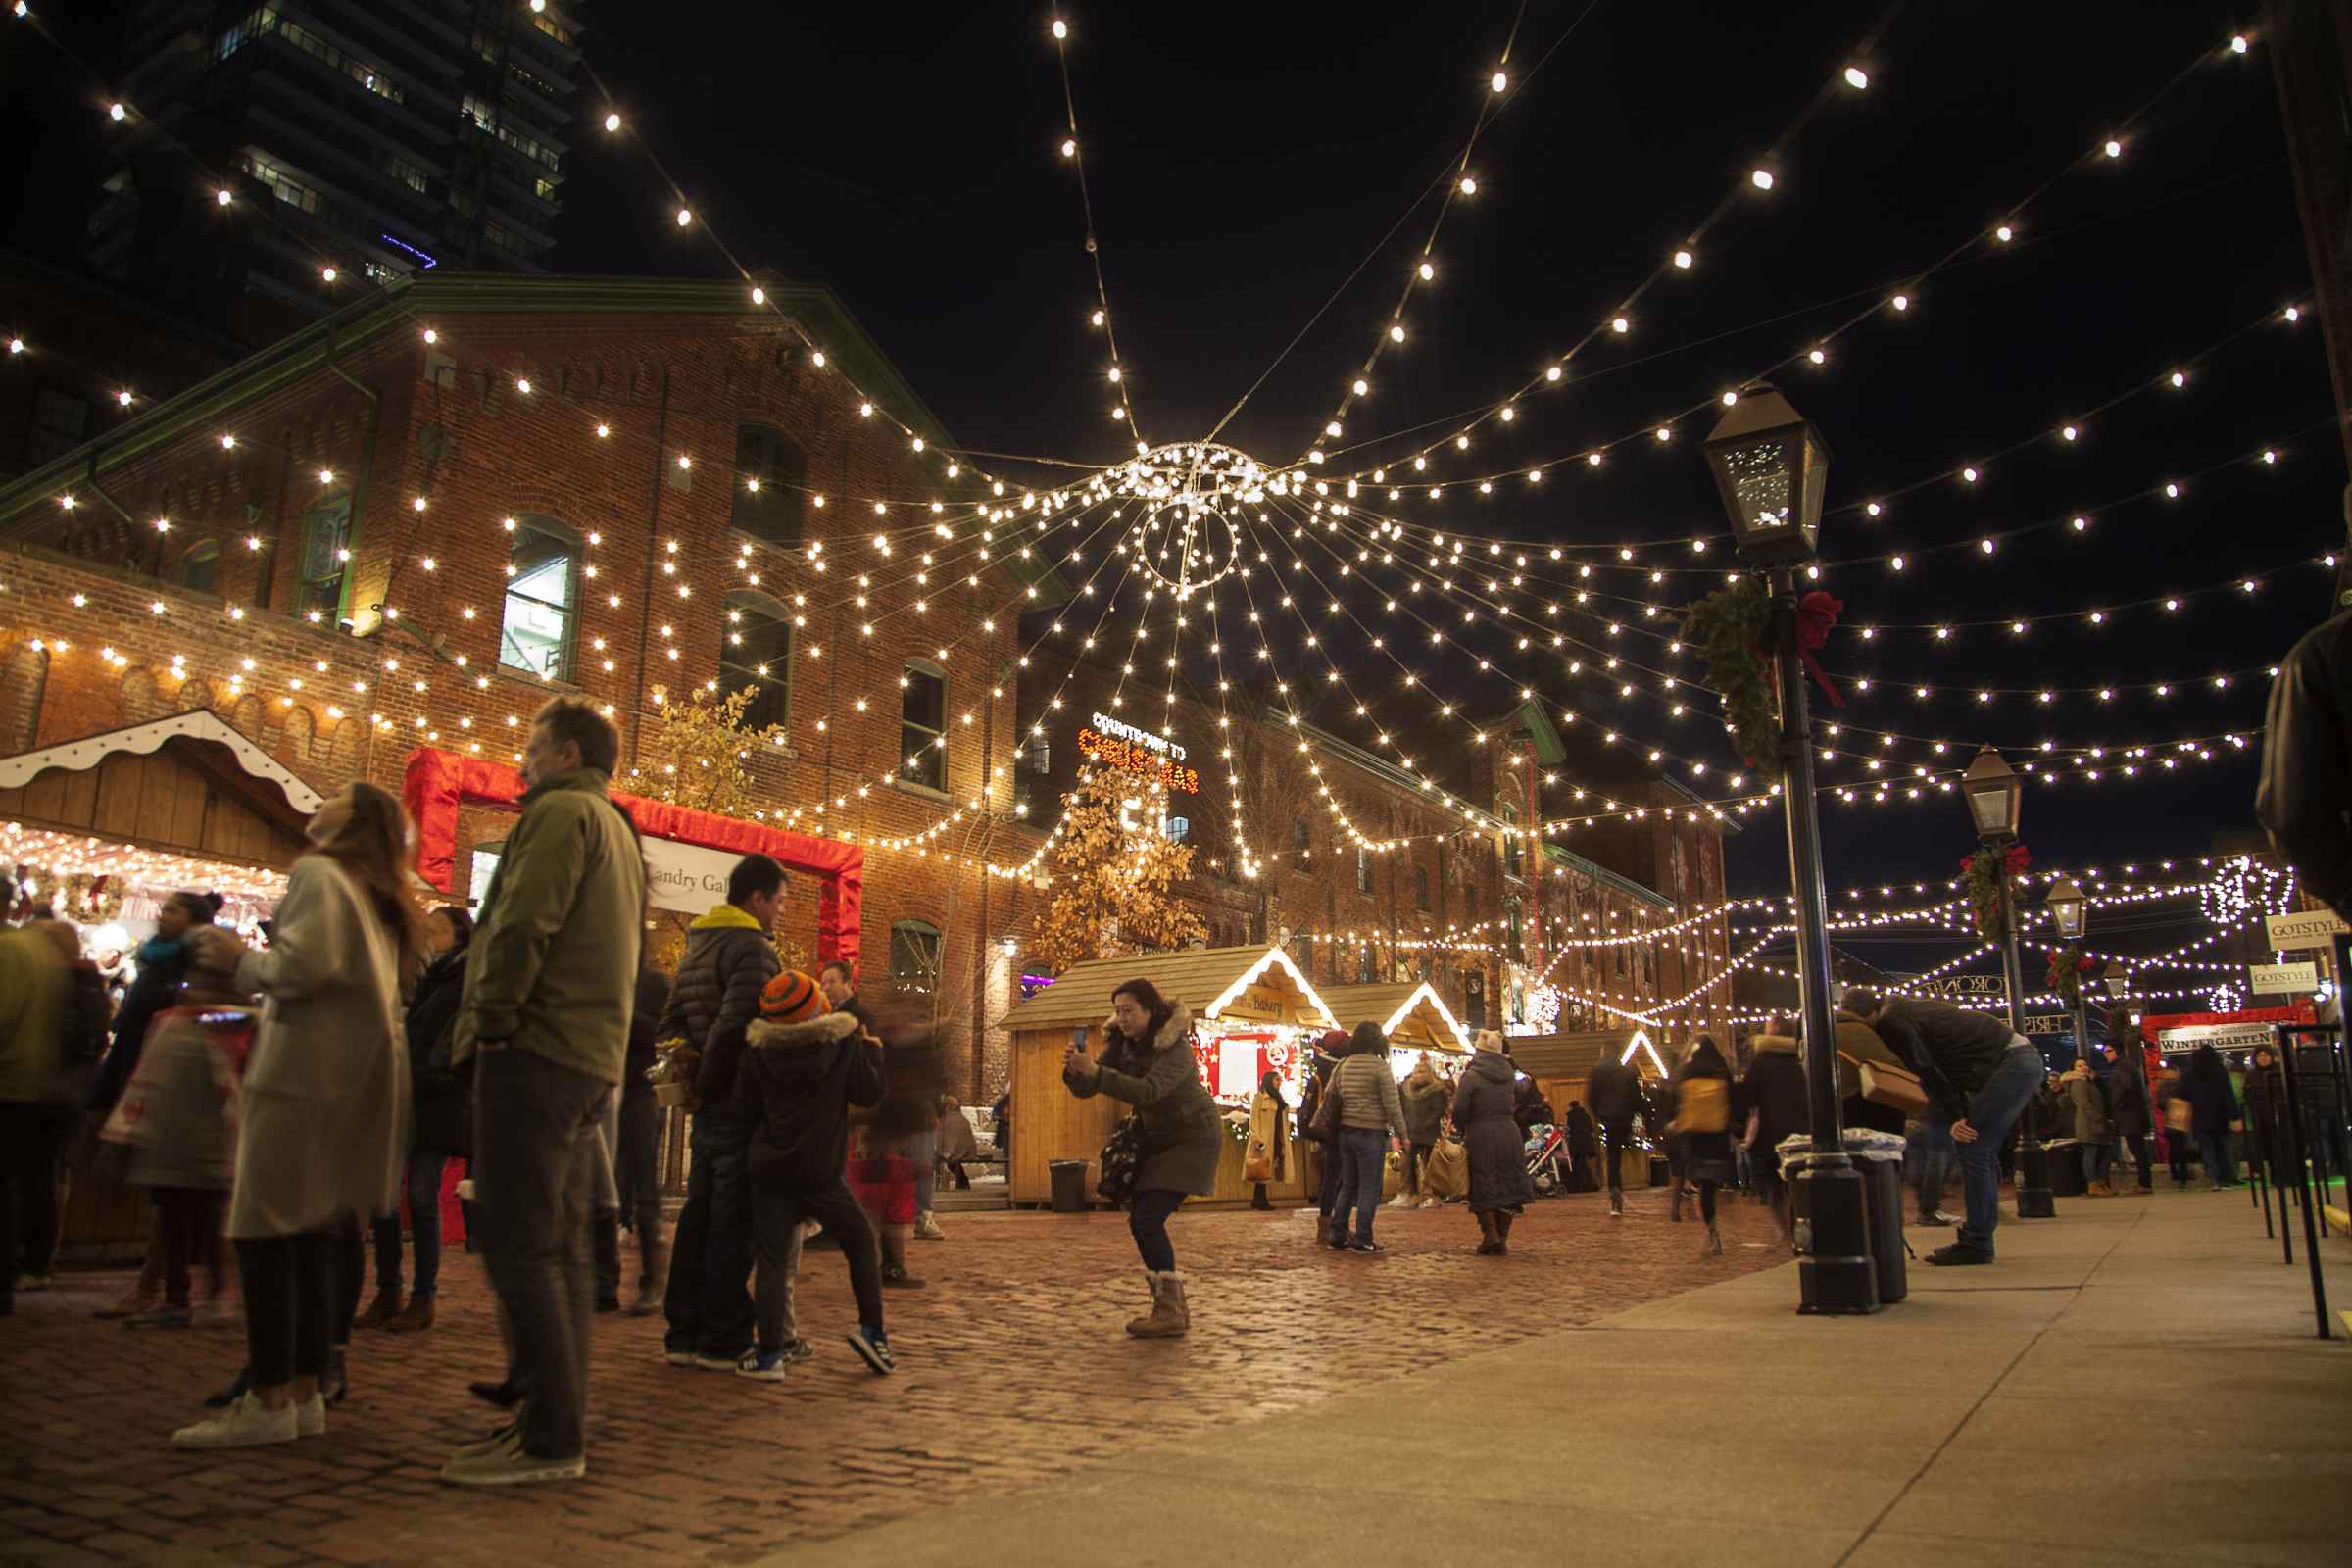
[(1978, 1075)]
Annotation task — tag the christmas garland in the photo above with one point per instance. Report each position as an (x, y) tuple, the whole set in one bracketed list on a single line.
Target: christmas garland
[(1728, 625), (78, 898), (1984, 869), (2069, 970)]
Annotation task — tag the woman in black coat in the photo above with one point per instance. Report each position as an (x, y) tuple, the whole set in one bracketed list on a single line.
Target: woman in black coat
[(444, 1129), (1481, 1113), (1321, 1154), (1773, 1097), (2213, 1106), (1703, 1098)]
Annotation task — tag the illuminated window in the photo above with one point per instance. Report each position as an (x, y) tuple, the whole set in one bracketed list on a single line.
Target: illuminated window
[(915, 957), (542, 593)]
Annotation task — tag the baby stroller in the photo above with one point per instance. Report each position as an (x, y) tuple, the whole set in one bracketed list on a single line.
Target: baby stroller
[(1547, 1152)]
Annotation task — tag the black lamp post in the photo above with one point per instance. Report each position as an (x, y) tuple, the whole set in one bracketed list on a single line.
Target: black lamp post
[(2070, 911), (1994, 795), (1772, 468)]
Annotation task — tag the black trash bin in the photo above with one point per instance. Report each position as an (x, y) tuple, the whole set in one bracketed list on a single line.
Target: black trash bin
[(1883, 1201), (1069, 1185)]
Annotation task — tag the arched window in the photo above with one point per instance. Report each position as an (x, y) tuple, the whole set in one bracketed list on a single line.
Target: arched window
[(770, 472), (543, 590), (1420, 887), (199, 566), (913, 957), (923, 725), (756, 651)]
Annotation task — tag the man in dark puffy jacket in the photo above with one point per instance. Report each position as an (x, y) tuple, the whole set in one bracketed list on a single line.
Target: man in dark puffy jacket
[(713, 1001), (1616, 1090), (2307, 763)]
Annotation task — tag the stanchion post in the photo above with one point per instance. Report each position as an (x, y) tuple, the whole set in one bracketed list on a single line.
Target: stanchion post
[(2284, 1033)]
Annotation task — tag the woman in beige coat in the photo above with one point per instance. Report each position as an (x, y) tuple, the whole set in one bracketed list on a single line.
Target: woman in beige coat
[(324, 1122)]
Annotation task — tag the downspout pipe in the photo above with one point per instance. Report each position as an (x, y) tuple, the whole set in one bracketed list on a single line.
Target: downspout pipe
[(359, 488)]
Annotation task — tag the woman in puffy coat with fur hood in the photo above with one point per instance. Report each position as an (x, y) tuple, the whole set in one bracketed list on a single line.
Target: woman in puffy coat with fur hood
[(1147, 1061)]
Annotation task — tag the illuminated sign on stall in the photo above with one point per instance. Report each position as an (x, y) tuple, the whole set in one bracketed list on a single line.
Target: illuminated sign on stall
[(1137, 751)]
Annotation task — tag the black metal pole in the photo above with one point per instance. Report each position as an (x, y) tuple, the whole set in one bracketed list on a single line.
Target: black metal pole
[(2032, 1162), (2311, 1238), (1835, 1272)]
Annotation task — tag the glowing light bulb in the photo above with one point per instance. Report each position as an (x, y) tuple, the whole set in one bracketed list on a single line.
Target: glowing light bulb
[(522, 385), (431, 336), (326, 476), (222, 197), (684, 217), (611, 122), (2004, 234), (1500, 82), (1665, 432), (1683, 259), (2180, 378), (1761, 178), (1620, 326), (328, 272), (1469, 185), (1070, 148), (1901, 301), (1062, 29), (1428, 271), (2070, 432), (229, 443), (2115, 149), (115, 112), (1396, 334), (759, 296), (2237, 43), (1361, 386), (16, 345), (1857, 79), (124, 398)]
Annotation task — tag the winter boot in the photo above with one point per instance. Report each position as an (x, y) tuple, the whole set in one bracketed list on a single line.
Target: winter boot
[(653, 1272), (1713, 1246), (1489, 1234), (1322, 1231), (893, 1259), (415, 1318), (1169, 1317), (1502, 1231), (380, 1311)]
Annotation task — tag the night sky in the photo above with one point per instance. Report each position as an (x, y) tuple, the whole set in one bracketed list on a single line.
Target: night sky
[(1244, 160)]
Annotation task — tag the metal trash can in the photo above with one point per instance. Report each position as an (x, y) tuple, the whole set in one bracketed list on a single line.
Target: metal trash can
[(1070, 1186)]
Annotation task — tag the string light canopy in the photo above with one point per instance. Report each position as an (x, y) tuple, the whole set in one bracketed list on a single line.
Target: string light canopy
[(1771, 467)]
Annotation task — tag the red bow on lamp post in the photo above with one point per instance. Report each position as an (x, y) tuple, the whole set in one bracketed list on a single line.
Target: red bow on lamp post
[(1816, 617)]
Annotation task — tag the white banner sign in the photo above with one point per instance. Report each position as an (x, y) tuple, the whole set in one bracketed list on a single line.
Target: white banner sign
[(2315, 928), (2274, 979), (2220, 1036), (686, 877)]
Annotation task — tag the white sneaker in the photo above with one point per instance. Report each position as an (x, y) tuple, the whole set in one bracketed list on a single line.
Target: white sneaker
[(310, 1416), (926, 1228), (246, 1423), (1402, 1200), (507, 1463), (1433, 1202)]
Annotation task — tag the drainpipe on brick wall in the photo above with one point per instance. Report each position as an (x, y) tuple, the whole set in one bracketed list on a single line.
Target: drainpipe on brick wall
[(645, 598), (129, 521), (358, 486)]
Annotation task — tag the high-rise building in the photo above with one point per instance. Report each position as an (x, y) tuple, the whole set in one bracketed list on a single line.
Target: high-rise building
[(353, 141)]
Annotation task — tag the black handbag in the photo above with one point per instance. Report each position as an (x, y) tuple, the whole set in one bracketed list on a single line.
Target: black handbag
[(1122, 1160)]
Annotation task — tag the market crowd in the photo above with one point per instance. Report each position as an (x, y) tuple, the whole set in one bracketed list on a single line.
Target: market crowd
[(291, 1106)]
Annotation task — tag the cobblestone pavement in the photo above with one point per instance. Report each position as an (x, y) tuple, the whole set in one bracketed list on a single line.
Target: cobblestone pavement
[(1012, 1368)]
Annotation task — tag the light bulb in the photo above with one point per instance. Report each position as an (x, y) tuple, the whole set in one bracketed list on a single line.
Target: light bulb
[(522, 385), (2004, 234), (1062, 29), (124, 398), (2238, 45), (328, 272), (1500, 82), (612, 121), (431, 336), (1396, 334), (16, 345), (2115, 149), (1856, 77), (1426, 272), (115, 112), (326, 476), (1818, 357), (1761, 178), (684, 217), (1901, 301), (1683, 259), (1361, 386), (2180, 378), (1070, 148), (1469, 186), (759, 296), (1620, 325), (222, 196), (229, 443)]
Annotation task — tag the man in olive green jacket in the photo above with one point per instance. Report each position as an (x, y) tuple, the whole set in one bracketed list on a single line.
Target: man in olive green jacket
[(550, 986)]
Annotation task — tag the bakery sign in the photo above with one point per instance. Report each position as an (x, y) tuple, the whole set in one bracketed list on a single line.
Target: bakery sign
[(1130, 749)]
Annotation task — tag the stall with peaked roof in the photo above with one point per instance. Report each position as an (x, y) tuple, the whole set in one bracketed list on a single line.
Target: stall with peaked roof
[(1251, 1008), (1411, 1014), (1562, 1064)]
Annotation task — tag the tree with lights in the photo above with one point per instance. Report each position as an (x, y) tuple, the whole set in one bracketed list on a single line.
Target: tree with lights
[(1114, 868), (697, 753)]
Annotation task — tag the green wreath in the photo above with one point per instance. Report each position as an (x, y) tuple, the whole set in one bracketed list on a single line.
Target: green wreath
[(1728, 626)]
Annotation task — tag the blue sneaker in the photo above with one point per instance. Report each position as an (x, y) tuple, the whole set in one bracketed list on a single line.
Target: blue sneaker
[(874, 1345), (764, 1366)]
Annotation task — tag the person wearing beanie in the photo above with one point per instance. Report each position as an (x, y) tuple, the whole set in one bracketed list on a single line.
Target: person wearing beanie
[(1322, 1065), (802, 1069)]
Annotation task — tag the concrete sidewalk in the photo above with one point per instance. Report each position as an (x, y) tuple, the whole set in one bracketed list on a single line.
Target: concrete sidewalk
[(2136, 1383)]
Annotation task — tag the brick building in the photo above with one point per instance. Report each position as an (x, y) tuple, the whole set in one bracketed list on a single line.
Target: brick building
[(409, 523)]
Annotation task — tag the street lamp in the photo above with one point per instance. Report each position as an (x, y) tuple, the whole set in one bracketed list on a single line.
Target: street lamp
[(1770, 468), (2069, 912), (1994, 796)]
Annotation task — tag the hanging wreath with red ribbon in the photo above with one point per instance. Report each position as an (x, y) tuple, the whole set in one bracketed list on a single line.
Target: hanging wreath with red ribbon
[(1985, 869), (2070, 970), (1731, 628)]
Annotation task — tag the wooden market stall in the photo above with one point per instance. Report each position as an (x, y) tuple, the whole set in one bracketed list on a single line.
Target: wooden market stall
[(1562, 1064), (1250, 1006), (1411, 1014)]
